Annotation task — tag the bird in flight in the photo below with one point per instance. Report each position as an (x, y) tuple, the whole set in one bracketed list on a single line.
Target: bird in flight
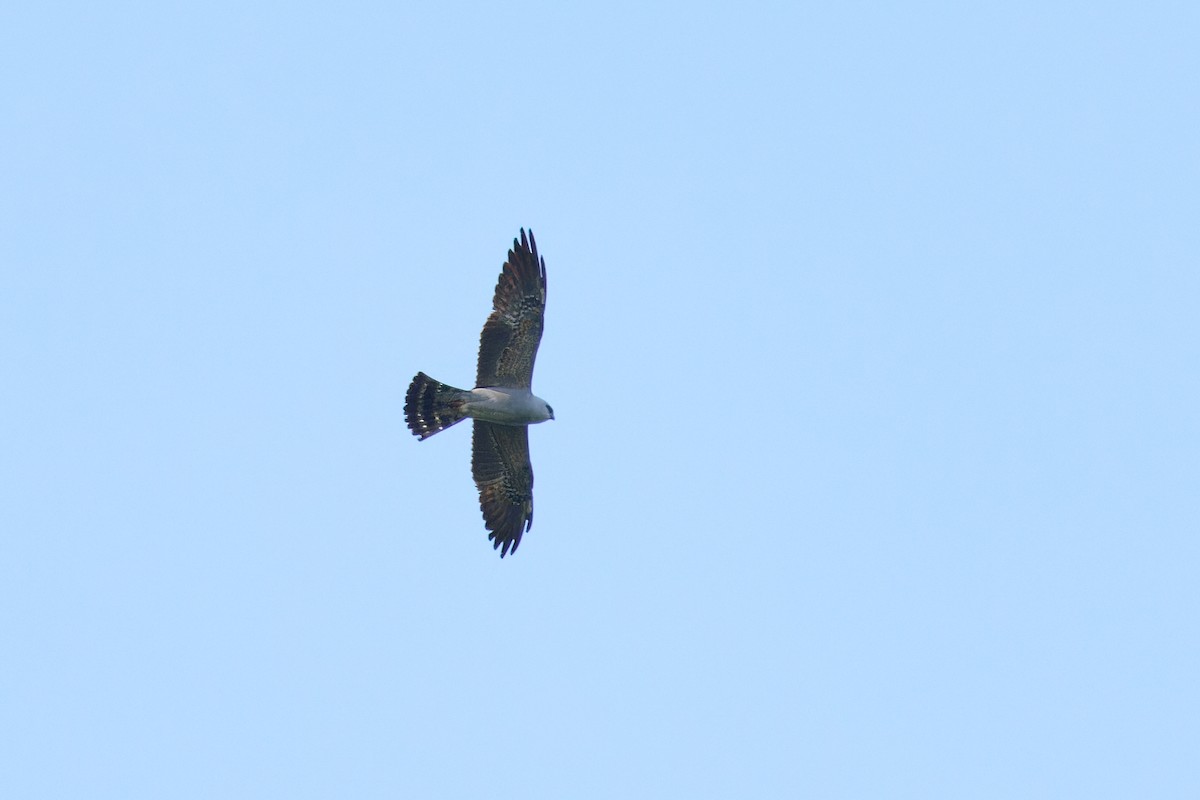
[(501, 404)]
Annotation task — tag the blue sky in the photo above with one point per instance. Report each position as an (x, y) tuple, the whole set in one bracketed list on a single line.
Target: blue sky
[(872, 339)]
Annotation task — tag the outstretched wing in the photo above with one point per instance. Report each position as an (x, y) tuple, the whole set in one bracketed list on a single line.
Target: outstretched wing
[(509, 342), (504, 477)]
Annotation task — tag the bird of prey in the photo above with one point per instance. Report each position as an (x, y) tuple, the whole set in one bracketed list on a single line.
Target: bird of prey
[(501, 404)]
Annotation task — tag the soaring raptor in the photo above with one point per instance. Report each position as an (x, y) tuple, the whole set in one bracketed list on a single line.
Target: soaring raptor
[(501, 403)]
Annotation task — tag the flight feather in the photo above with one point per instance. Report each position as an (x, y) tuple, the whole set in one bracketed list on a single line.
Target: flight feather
[(509, 341)]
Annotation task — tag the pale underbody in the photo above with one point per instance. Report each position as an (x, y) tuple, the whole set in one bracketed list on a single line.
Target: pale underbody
[(507, 406)]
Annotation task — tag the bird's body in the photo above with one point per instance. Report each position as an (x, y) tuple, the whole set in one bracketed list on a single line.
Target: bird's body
[(432, 406), (505, 406), (501, 404)]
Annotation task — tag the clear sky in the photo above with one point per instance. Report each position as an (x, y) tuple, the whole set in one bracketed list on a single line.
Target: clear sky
[(872, 337)]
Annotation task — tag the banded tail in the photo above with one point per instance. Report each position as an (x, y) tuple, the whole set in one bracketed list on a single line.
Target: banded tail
[(431, 406)]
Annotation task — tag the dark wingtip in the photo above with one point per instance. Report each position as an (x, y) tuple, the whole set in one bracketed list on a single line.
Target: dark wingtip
[(526, 243), (505, 546), (529, 245), (507, 542)]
